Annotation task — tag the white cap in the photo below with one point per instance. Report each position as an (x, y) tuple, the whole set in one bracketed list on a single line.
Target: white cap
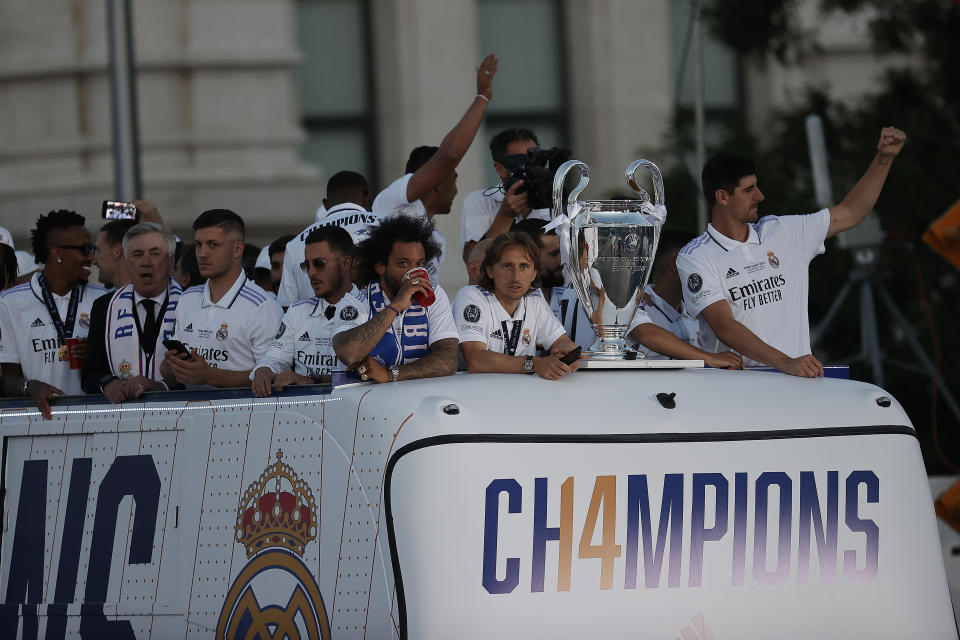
[(6, 238), (263, 260), (25, 263)]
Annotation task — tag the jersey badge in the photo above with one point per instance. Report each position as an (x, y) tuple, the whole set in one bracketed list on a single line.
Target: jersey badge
[(222, 332), (773, 260), (471, 313), (125, 368), (275, 594), (694, 282), (525, 338), (84, 320), (349, 313)]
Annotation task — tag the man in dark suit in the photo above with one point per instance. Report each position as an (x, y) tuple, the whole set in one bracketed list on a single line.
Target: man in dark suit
[(128, 326)]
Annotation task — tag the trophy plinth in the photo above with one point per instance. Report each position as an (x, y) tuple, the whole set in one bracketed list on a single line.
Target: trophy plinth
[(610, 248)]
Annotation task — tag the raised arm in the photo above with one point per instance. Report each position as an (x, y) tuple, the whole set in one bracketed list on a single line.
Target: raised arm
[(857, 204), (458, 140), (747, 343)]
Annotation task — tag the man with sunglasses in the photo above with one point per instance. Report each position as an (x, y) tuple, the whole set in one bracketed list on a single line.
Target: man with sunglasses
[(302, 352), (39, 317)]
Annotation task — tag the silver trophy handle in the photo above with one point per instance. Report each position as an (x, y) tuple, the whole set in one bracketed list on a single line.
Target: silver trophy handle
[(559, 206), (631, 174)]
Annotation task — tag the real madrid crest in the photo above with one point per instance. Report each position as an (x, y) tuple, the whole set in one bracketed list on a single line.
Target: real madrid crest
[(525, 338), (222, 332), (773, 260), (275, 595), (124, 369), (84, 320)]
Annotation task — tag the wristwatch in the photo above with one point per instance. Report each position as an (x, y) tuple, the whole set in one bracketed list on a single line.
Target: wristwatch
[(105, 380), (395, 373), (528, 365)]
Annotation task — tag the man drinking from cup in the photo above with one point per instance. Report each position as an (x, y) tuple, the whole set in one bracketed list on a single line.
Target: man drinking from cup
[(44, 322), (410, 333)]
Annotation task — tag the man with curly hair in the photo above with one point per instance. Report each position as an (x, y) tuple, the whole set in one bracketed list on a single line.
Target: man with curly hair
[(402, 340), (39, 317)]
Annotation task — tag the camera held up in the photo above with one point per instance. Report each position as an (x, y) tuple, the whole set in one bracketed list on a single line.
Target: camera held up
[(536, 168)]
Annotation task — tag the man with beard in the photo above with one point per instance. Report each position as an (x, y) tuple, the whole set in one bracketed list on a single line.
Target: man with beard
[(402, 340), (747, 279), (302, 352), (229, 322), (128, 326), (39, 317), (550, 266), (503, 320)]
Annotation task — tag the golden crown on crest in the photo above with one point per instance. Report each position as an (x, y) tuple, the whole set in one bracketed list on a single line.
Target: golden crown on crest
[(284, 516)]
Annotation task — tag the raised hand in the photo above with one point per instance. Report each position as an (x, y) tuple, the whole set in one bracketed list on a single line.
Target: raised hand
[(891, 141), (485, 73)]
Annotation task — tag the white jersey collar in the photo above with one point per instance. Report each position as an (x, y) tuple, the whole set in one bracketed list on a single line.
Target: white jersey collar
[(728, 244), (662, 305), (343, 206), (226, 301), (322, 303)]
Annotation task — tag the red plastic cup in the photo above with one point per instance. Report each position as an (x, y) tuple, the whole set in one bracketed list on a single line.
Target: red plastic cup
[(76, 362), (424, 299)]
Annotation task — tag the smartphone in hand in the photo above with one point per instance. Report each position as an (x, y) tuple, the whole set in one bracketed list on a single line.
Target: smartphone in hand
[(176, 345), (572, 356), (112, 210)]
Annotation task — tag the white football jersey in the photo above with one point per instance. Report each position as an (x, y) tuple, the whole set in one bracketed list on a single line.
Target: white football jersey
[(392, 201), (765, 280), (294, 283), (304, 341), (479, 211), (481, 318), (29, 338), (232, 333), (661, 313)]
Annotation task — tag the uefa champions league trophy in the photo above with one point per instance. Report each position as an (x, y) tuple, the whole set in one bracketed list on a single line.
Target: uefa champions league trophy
[(608, 247)]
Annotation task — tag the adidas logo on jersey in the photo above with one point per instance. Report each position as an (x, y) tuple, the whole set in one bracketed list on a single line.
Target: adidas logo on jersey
[(305, 337), (496, 335), (189, 328), (37, 323), (732, 273)]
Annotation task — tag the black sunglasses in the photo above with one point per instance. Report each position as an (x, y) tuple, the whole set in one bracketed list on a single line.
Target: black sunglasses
[(318, 263), (86, 249)]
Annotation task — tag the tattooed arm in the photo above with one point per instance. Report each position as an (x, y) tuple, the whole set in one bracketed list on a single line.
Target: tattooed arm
[(441, 361), (354, 344)]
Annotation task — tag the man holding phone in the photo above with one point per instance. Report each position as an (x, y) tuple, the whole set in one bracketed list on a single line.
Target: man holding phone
[(129, 326), (227, 323), (505, 317)]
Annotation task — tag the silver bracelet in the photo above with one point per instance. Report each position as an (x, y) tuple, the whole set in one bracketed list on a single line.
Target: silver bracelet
[(483, 97), (23, 389)]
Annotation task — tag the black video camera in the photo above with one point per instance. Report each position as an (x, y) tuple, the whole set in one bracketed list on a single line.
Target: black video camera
[(536, 168)]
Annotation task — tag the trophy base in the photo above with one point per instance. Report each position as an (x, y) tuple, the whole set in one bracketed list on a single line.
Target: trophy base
[(639, 364)]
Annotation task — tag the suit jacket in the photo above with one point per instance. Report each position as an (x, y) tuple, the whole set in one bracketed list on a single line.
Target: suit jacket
[(96, 365)]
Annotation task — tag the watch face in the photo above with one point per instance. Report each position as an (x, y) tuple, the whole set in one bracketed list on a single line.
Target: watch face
[(528, 365)]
